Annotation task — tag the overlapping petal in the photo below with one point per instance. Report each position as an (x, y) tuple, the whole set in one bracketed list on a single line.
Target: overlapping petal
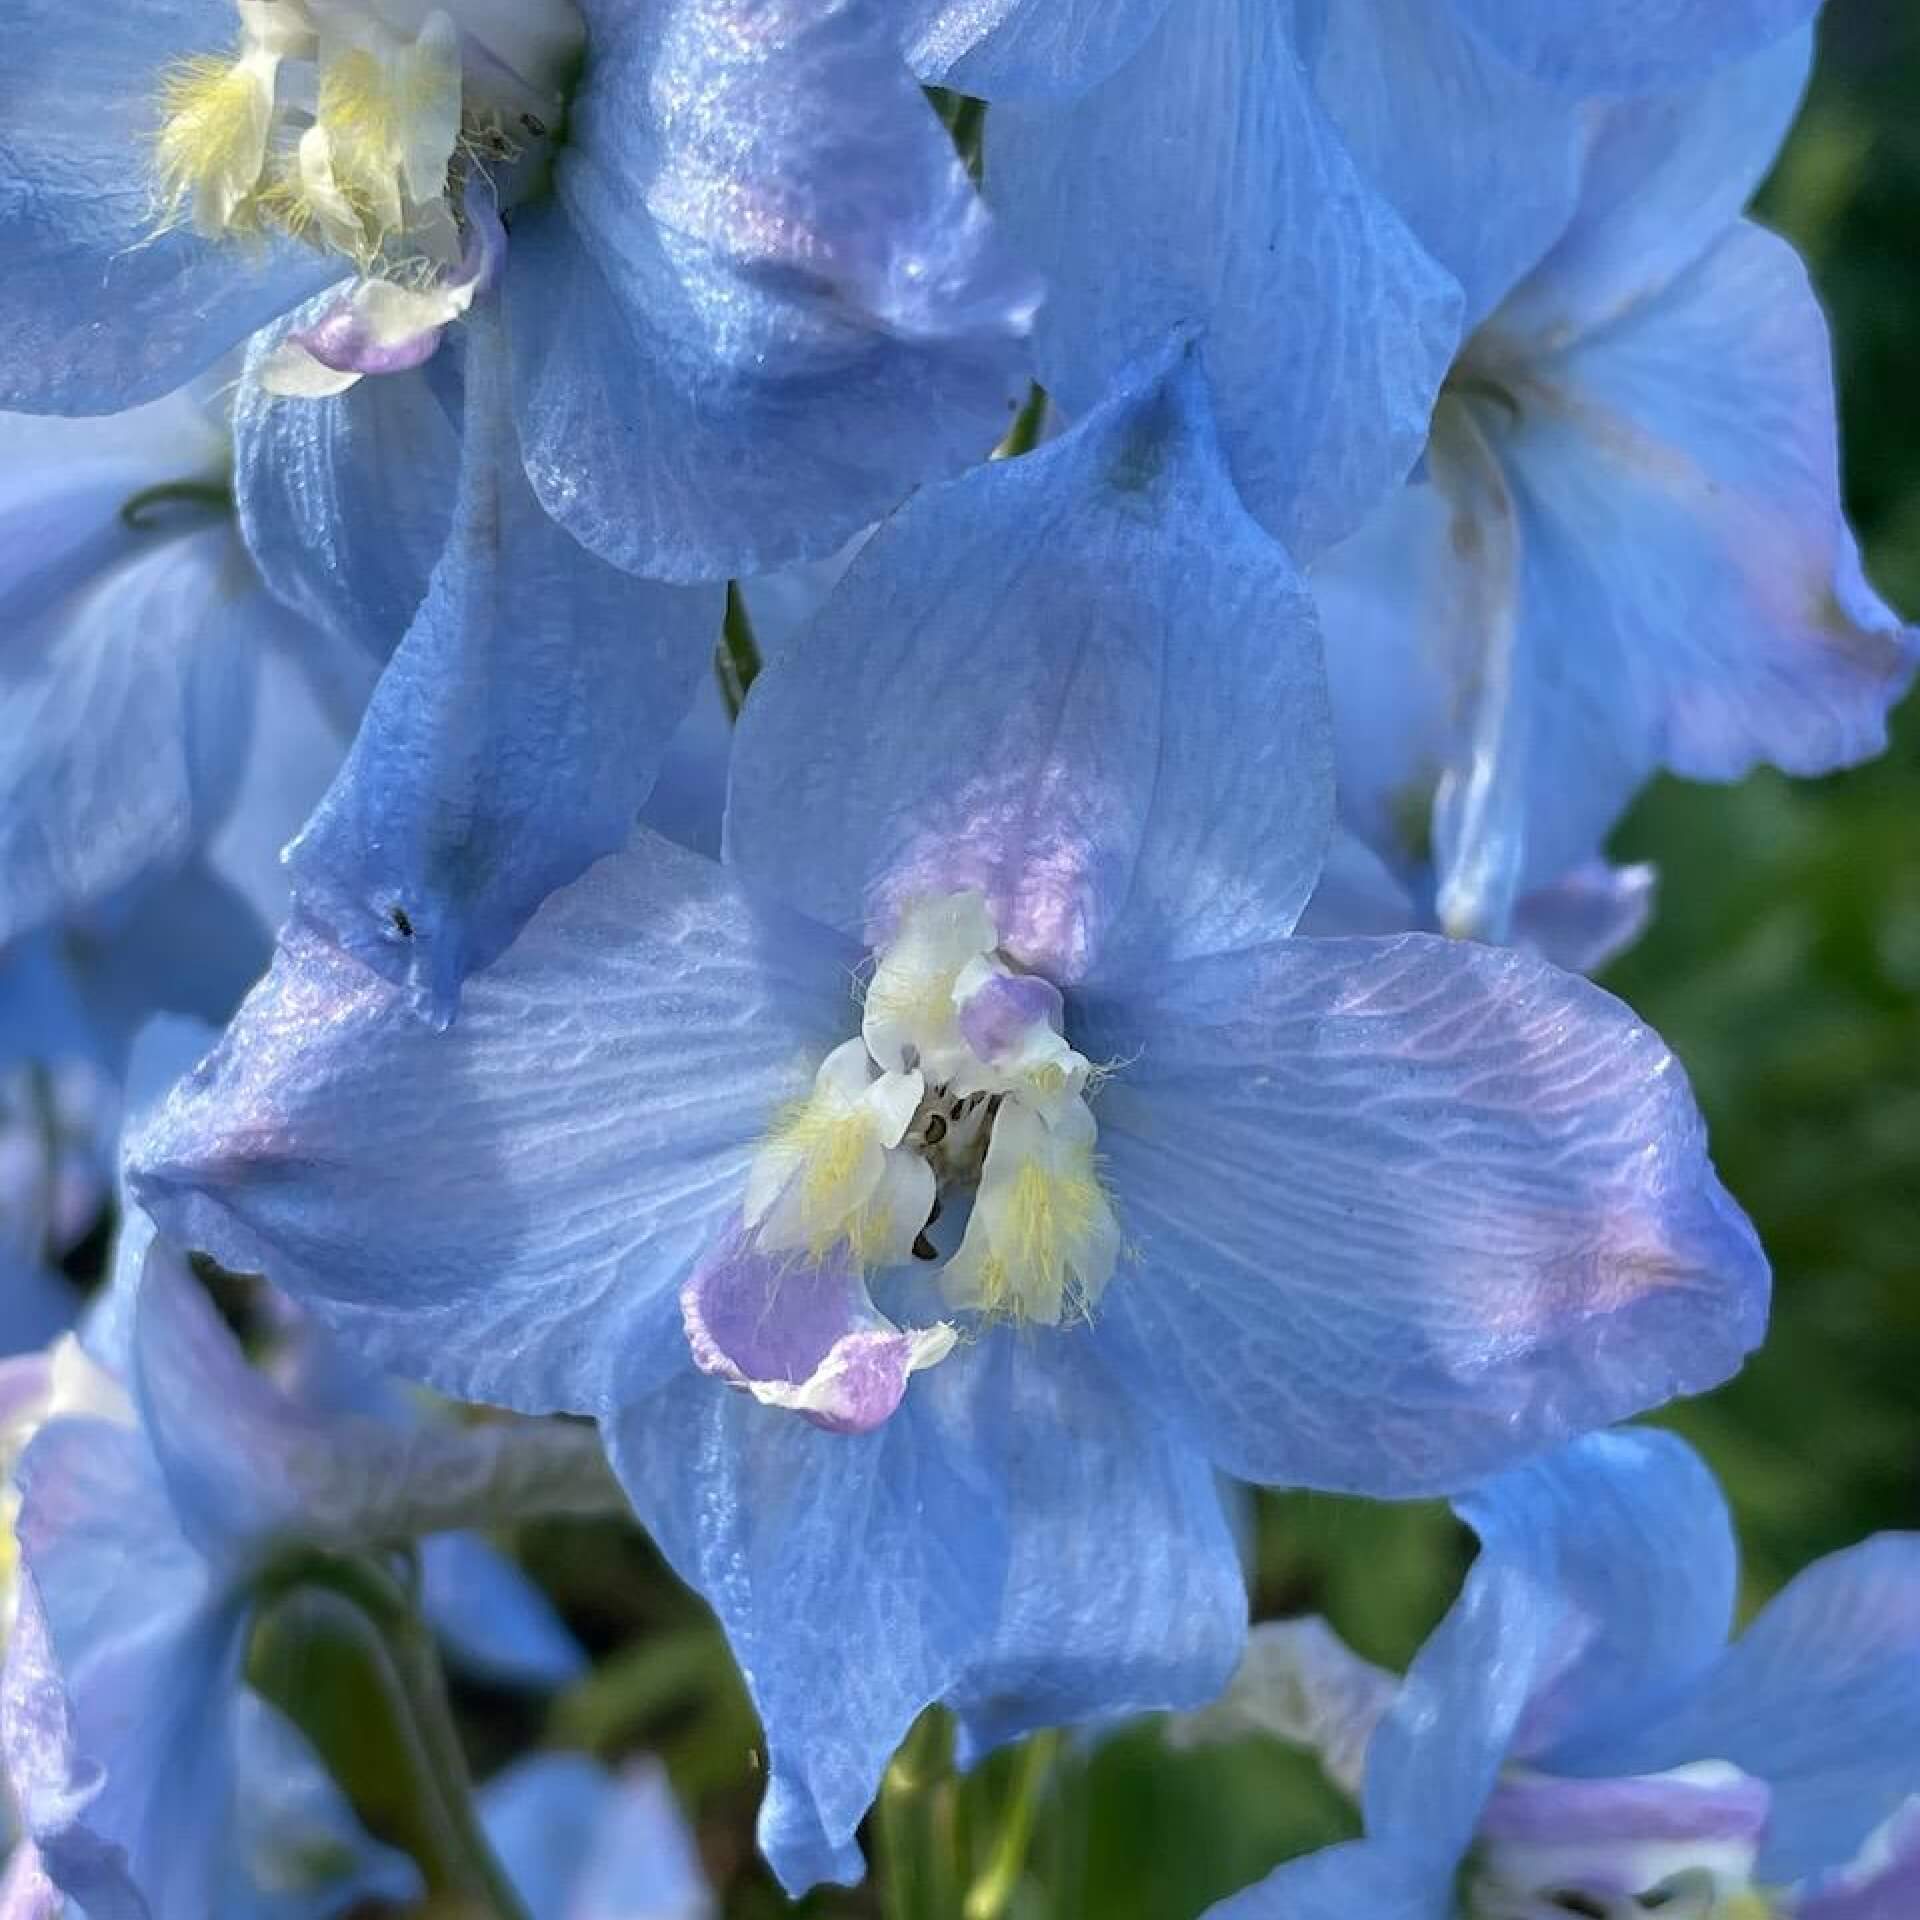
[(807, 312), (1082, 682), (1818, 1698), (589, 1121), (513, 735), (947, 1554), (1024, 49), (1326, 327)]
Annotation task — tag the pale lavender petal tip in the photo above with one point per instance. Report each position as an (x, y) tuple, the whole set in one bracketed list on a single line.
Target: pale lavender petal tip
[(802, 1334), (1548, 1808), (1000, 1015)]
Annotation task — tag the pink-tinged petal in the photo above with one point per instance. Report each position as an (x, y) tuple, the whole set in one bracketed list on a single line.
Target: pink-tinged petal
[(1407, 1210), (803, 1334)]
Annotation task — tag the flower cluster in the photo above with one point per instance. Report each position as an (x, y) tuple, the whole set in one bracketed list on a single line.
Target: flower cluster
[(944, 682)]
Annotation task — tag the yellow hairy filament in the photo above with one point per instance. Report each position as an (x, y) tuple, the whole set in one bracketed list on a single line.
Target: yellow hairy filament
[(1033, 1266), (212, 142), (831, 1146)]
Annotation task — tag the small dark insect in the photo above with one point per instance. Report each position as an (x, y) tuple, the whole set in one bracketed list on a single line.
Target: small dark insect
[(533, 124), (401, 924)]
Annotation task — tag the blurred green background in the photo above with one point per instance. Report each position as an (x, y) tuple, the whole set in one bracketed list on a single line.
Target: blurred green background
[(1784, 967)]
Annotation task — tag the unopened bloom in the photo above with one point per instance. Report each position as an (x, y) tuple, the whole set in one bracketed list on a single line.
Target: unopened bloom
[(1100, 1185), (1579, 1736)]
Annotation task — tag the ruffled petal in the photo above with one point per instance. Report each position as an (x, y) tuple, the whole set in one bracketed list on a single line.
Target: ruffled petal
[(1024, 49), (807, 314), (1819, 1698), (80, 100), (347, 501), (124, 717), (1103, 708), (513, 735), (507, 1210), (1204, 185), (1407, 1210), (948, 1554), (1628, 46)]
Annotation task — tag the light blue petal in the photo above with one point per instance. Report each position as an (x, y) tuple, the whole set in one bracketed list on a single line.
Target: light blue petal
[(1024, 49), (37, 1302), (124, 715), (1587, 917), (1605, 1582), (577, 1841), (1203, 185), (347, 501), (1884, 1884), (1342, 1883), (1677, 480), (512, 737), (768, 302), (507, 1210), (1359, 893), (1819, 1698), (831, 1559), (1481, 161), (296, 746), (491, 1619), (95, 314), (1124, 1592), (147, 1652), (1629, 46), (958, 1552), (1665, 176), (1082, 681), (186, 943), (689, 798), (1406, 1211), (1644, 1574)]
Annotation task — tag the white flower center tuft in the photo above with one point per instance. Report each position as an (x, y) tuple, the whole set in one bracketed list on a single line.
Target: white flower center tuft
[(355, 124), (961, 1078)]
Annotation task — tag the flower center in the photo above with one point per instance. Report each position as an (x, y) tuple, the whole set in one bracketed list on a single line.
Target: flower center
[(961, 1081), (357, 125), (1679, 1845)]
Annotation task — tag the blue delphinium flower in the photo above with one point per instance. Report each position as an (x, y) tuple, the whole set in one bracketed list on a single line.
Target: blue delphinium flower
[(1330, 191), (150, 1506), (140, 654), (1108, 1184), (1578, 1737), (1625, 549), (579, 1843), (747, 299)]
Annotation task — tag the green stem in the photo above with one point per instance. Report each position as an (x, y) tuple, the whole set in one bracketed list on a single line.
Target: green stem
[(987, 1898), (339, 1644), (1024, 435), (144, 509), (737, 659)]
